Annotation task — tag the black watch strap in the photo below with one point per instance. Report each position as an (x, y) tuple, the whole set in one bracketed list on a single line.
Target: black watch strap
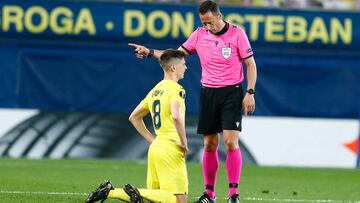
[(250, 91), (151, 53)]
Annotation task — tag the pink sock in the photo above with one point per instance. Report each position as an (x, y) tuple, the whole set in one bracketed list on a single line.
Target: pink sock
[(233, 166), (210, 166)]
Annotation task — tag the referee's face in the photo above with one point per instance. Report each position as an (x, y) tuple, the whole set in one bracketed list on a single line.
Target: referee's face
[(212, 22)]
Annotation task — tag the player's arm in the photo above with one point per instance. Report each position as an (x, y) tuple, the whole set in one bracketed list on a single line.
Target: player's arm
[(142, 51), (249, 100), (179, 123), (137, 120)]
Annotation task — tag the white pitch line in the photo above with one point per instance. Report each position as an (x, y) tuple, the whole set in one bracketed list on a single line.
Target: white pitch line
[(42, 193), (257, 199)]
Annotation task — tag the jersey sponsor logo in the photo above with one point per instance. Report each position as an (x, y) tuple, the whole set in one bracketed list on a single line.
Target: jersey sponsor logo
[(249, 50), (226, 52)]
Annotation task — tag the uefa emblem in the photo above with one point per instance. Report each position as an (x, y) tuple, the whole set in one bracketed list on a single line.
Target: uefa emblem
[(226, 52)]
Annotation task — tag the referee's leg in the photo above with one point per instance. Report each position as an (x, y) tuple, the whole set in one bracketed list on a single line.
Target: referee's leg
[(233, 161), (210, 163), (231, 139)]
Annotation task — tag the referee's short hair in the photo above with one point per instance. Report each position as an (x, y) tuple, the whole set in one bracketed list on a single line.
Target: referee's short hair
[(170, 57), (207, 6)]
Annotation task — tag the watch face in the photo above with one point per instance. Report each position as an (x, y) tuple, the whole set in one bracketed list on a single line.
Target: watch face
[(250, 91)]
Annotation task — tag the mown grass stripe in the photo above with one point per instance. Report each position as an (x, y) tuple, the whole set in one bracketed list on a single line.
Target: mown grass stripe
[(244, 198)]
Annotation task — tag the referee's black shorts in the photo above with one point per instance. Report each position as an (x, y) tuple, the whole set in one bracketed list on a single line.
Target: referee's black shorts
[(220, 109)]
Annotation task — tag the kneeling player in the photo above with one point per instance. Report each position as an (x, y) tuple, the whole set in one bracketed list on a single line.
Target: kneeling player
[(167, 180)]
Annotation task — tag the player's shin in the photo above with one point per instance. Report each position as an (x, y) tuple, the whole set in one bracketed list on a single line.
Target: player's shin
[(119, 194), (157, 196)]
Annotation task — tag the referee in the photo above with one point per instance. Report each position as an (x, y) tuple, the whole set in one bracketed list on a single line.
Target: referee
[(222, 48)]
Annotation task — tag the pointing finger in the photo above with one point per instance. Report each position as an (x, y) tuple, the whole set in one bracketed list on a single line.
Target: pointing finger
[(133, 45)]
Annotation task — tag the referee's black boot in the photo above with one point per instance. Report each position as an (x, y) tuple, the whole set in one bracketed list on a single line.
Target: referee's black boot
[(100, 193), (205, 198), (133, 193), (234, 199)]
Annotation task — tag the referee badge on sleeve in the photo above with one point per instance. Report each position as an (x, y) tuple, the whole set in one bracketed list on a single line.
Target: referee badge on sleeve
[(226, 52)]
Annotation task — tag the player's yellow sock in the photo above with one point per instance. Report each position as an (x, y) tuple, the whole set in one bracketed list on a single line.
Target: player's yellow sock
[(157, 196), (119, 194)]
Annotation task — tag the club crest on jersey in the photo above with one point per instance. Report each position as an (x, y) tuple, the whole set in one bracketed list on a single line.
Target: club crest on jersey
[(182, 94), (226, 52)]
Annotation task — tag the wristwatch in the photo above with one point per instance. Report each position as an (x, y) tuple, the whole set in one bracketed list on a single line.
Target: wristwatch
[(250, 91), (151, 53)]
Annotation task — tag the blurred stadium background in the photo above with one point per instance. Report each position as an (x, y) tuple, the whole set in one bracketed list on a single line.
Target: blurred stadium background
[(68, 80)]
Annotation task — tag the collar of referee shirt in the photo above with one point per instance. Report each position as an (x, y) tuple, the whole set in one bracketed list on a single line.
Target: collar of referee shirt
[(222, 31)]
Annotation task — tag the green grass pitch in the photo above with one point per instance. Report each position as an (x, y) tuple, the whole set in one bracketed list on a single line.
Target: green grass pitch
[(29, 181)]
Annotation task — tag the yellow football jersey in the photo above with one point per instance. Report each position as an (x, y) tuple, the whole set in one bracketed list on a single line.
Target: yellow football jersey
[(158, 102)]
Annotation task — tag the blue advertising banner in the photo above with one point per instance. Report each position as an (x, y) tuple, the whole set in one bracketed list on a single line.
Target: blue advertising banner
[(173, 23), (73, 56)]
